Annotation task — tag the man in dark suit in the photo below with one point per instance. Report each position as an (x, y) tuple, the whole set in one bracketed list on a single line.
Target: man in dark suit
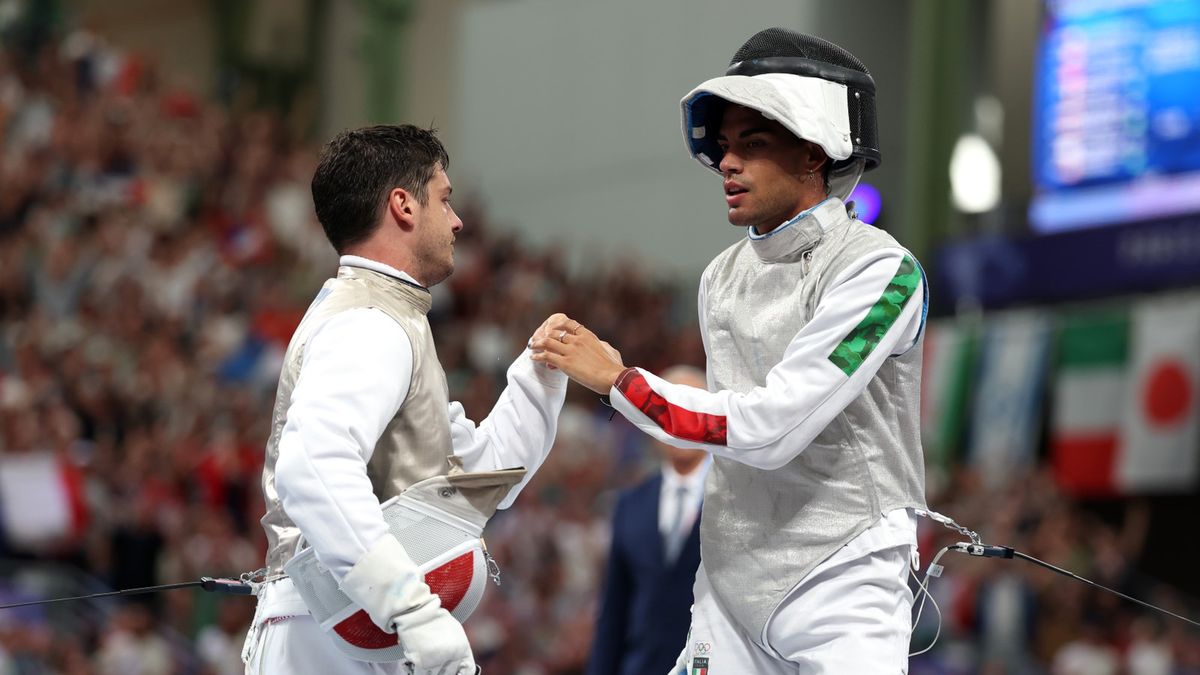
[(645, 609)]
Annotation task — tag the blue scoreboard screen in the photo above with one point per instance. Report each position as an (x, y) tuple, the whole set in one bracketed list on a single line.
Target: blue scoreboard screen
[(1117, 113)]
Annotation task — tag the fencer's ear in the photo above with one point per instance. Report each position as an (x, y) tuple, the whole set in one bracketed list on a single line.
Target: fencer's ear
[(816, 156), (401, 207)]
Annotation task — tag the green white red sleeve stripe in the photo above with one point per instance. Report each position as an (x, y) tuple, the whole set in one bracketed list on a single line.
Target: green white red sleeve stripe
[(864, 317)]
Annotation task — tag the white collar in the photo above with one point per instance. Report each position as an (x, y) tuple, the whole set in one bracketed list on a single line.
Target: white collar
[(376, 266), (799, 234)]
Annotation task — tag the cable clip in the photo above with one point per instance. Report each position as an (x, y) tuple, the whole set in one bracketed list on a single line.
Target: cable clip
[(227, 586), (983, 550)]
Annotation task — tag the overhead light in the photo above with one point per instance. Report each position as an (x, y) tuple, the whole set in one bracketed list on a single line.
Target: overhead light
[(974, 175)]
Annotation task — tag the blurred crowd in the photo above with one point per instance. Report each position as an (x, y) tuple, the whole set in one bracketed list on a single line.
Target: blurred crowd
[(999, 616), (158, 248), (156, 252)]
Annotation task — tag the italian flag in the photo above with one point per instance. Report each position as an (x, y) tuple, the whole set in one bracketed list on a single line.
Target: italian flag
[(1088, 398), (1160, 436)]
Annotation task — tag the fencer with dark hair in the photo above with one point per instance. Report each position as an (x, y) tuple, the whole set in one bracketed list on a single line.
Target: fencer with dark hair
[(362, 413), (812, 332)]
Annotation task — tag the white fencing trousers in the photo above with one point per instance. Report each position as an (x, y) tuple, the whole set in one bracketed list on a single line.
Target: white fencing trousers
[(851, 614), (297, 646)]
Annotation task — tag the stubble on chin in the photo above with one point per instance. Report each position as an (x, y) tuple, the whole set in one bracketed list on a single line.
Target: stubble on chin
[(440, 270), (439, 275), (738, 218)]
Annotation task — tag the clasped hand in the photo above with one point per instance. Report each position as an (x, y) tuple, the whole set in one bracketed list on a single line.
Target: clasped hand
[(564, 343)]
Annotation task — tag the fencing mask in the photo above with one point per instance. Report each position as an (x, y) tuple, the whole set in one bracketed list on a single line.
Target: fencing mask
[(815, 89)]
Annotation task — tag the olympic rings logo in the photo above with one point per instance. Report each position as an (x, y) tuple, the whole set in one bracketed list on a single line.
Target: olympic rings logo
[(702, 647)]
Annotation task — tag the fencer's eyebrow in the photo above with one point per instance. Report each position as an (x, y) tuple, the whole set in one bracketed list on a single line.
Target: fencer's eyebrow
[(747, 132)]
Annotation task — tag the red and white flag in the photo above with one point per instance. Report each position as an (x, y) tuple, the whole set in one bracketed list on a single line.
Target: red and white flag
[(1160, 436), (41, 500)]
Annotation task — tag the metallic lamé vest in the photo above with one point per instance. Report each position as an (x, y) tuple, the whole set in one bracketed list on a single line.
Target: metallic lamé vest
[(762, 531), (415, 445)]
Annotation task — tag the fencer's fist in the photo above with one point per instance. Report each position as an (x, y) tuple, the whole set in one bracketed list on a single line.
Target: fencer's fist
[(584, 357)]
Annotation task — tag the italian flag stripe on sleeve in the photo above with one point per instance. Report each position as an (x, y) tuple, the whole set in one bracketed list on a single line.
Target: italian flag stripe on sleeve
[(676, 421), (858, 345)]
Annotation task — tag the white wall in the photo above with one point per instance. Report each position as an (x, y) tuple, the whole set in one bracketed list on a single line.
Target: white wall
[(566, 119)]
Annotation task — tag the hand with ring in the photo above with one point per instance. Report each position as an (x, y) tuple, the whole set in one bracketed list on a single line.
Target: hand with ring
[(557, 326), (582, 355)]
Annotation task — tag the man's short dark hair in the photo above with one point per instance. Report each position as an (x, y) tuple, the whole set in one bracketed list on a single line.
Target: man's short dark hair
[(358, 169)]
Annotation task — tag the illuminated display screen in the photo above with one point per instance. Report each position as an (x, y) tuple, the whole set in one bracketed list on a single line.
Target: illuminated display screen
[(1117, 114)]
